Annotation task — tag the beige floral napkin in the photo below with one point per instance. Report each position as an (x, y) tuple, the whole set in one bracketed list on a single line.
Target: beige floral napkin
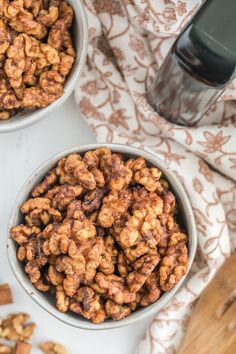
[(128, 41)]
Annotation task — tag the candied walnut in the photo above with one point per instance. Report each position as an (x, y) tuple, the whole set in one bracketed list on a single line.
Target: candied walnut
[(51, 82), (74, 210), (169, 203), (98, 289), (134, 252), (75, 166), (137, 164), (115, 171), (83, 229), (21, 253), (114, 206), (41, 286), (48, 58), (36, 97), (75, 248), (45, 185), (93, 217), (143, 267), (71, 284), (8, 99), (115, 287), (33, 271), (62, 301), (34, 6), (28, 78), (92, 158), (16, 62), (64, 176), (151, 230), (22, 233), (59, 240), (67, 44), (152, 288), (99, 316), (35, 203), (163, 187), (34, 251), (136, 303), (143, 223), (71, 266), (88, 304), (93, 200), (109, 256), (98, 176), (62, 196), (51, 55), (93, 258), (15, 327), (122, 265), (174, 264), (56, 34), (53, 348), (38, 217), (66, 13), (4, 37), (55, 277), (148, 177), (48, 17), (65, 65), (115, 311), (4, 115), (24, 22)]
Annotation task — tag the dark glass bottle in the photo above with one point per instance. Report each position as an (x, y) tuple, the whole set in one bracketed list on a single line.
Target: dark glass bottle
[(199, 66)]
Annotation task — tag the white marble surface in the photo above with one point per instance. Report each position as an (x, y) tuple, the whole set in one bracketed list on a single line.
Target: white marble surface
[(20, 154)]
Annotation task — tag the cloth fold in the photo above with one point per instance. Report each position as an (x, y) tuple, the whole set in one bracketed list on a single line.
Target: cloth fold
[(129, 39)]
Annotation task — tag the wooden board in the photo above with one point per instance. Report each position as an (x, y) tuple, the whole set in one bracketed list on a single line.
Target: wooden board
[(212, 328)]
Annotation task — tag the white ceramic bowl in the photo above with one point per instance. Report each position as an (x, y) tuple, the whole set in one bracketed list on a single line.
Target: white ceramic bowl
[(45, 300), (80, 42)]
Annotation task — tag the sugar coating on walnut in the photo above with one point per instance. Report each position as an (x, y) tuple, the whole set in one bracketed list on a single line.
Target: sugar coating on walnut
[(102, 234), (36, 53)]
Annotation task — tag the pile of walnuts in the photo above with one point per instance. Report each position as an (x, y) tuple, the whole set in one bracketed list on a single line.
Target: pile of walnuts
[(36, 53), (101, 233)]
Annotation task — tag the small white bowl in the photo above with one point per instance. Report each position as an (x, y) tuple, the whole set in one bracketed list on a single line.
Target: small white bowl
[(80, 42), (45, 300)]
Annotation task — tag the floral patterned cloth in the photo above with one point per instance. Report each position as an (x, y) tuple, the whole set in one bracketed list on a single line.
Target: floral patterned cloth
[(128, 42)]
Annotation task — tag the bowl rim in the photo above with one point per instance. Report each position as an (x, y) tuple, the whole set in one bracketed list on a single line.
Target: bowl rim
[(40, 298), (40, 114)]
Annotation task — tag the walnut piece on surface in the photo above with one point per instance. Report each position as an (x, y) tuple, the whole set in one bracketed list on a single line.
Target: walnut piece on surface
[(36, 54), (16, 327), (52, 348), (102, 234)]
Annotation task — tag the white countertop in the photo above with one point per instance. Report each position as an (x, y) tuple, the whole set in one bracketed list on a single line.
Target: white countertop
[(21, 153)]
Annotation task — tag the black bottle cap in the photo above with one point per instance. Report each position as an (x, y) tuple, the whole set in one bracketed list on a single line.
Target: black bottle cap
[(207, 47)]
